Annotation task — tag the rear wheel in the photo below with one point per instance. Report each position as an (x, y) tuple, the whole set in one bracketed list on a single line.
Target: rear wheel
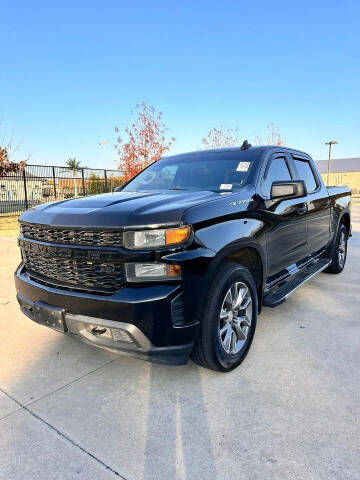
[(339, 252), (229, 320)]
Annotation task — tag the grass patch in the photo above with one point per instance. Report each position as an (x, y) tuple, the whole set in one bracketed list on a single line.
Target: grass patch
[(9, 226)]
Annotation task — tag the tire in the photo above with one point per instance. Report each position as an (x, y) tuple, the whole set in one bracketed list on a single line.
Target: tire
[(339, 251), (221, 345)]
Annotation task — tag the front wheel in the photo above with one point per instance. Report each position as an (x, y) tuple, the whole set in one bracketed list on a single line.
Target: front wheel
[(339, 252), (228, 322)]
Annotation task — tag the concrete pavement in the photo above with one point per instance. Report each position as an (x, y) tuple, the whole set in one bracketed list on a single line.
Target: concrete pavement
[(290, 411)]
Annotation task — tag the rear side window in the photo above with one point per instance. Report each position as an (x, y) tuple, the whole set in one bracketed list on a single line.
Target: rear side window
[(277, 170), (305, 173)]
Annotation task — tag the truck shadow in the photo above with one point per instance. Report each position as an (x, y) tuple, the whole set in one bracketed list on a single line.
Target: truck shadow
[(178, 441), (157, 412)]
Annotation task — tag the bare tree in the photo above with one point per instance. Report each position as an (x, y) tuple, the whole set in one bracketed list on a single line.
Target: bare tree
[(273, 136), (221, 137)]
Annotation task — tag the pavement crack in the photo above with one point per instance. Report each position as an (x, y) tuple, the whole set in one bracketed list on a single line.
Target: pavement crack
[(63, 435), (11, 413), (59, 388), (72, 382)]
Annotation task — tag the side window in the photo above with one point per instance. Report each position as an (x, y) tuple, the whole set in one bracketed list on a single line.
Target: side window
[(305, 173), (276, 170)]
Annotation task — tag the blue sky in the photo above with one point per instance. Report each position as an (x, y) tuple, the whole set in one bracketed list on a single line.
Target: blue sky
[(71, 71)]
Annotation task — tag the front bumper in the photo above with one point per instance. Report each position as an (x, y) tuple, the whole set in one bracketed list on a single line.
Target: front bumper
[(136, 320)]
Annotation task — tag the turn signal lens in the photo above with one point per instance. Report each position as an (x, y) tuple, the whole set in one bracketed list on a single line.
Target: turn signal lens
[(173, 270), (152, 272), (177, 235)]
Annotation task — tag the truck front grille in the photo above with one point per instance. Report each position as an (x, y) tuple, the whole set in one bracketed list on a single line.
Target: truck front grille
[(70, 236), (81, 273)]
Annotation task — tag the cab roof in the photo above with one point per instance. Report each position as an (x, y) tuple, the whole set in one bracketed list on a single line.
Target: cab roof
[(261, 149)]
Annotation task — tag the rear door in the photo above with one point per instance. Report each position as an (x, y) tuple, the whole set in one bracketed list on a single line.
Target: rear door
[(318, 204), (286, 239)]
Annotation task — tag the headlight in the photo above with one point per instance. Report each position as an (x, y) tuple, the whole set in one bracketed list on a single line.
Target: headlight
[(156, 238), (151, 272)]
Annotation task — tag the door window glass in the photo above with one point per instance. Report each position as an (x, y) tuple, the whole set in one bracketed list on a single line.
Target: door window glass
[(305, 173), (277, 170)]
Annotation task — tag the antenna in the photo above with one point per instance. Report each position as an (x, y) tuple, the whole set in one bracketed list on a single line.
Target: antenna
[(246, 145)]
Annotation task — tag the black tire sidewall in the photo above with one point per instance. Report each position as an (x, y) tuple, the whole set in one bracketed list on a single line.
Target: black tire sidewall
[(335, 260), (223, 282)]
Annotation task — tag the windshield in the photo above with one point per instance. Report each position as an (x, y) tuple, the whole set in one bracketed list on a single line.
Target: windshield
[(217, 171)]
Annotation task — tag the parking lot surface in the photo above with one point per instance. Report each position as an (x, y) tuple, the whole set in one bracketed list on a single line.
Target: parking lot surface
[(290, 411)]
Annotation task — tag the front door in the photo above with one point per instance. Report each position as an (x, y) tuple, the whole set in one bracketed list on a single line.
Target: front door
[(286, 239)]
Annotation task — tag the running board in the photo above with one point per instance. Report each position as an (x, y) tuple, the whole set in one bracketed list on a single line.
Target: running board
[(274, 298)]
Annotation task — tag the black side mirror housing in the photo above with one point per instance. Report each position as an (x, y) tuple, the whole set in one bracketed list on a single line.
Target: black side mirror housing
[(288, 189)]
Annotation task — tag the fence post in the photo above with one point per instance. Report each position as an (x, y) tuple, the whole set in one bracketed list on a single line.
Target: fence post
[(53, 172), (83, 181), (25, 190), (105, 180)]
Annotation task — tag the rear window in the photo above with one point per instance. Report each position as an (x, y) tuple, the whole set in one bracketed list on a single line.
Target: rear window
[(306, 173)]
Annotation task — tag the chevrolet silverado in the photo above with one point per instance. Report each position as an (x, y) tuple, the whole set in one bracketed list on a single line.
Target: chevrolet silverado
[(180, 261)]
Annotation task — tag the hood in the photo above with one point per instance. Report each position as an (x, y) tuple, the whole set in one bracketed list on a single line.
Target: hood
[(119, 209)]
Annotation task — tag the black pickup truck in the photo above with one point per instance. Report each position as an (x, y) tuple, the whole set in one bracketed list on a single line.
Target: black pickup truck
[(181, 260)]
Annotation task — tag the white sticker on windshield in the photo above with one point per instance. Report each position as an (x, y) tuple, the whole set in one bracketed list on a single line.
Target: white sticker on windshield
[(243, 167), (226, 186)]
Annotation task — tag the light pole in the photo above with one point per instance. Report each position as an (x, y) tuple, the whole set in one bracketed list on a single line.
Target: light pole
[(103, 144), (331, 143)]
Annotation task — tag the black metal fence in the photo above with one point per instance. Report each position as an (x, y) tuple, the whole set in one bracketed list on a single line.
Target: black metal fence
[(39, 184)]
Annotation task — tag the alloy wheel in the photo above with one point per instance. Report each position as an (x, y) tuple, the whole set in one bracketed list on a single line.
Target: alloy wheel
[(342, 249), (235, 318)]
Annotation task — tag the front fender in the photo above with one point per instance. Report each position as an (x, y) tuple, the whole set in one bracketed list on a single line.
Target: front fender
[(214, 243), (218, 236)]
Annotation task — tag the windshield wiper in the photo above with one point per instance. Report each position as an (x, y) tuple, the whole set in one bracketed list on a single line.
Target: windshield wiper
[(182, 188)]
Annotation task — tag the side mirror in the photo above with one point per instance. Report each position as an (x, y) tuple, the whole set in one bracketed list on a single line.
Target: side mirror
[(288, 189), (118, 189)]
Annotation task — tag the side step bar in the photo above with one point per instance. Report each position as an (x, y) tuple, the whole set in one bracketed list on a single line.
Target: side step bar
[(274, 298)]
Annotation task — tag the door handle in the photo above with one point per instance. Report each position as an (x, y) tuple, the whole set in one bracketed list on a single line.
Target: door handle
[(302, 209), (326, 203)]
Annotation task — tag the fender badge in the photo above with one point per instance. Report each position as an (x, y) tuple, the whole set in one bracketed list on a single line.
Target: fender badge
[(239, 202)]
